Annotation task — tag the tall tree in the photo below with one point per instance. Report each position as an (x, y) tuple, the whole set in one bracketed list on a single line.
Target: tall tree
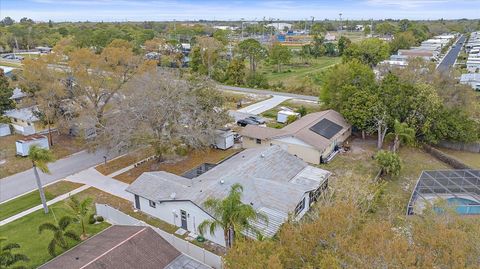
[(5, 93), (80, 210), (8, 258), (343, 44), (369, 51), (403, 40), (279, 55), (40, 159), (231, 215), (236, 72), (60, 234), (253, 50), (209, 50)]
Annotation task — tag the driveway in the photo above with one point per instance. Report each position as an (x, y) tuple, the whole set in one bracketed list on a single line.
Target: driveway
[(265, 105), (267, 92), (24, 182), (93, 178)]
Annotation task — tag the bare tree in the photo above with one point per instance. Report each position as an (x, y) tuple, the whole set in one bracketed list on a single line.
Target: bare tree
[(166, 112)]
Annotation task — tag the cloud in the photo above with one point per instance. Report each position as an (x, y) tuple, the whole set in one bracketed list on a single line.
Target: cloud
[(406, 4)]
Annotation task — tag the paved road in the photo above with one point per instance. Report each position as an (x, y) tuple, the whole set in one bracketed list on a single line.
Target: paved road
[(24, 182), (266, 92), (449, 59)]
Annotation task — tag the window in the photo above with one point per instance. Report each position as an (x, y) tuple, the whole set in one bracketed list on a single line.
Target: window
[(259, 141), (300, 206), (315, 194), (152, 203)]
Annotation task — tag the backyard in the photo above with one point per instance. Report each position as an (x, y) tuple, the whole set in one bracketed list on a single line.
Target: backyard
[(469, 158), (63, 146), (294, 105)]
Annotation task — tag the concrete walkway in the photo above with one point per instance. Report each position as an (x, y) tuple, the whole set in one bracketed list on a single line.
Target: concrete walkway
[(265, 105), (38, 207), (107, 184)]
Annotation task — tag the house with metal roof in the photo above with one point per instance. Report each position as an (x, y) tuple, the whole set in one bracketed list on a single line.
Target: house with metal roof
[(313, 138), (24, 120), (124, 247), (275, 183), (472, 79)]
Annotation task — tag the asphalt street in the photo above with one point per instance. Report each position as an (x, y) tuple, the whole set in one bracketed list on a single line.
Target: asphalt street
[(449, 59)]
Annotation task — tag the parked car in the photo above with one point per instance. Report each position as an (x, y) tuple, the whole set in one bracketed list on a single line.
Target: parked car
[(258, 119), (246, 121)]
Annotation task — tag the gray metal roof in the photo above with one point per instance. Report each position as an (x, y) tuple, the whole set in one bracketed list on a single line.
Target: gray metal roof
[(25, 114), (18, 93), (272, 180)]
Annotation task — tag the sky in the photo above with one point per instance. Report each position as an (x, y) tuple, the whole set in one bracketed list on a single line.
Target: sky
[(163, 10)]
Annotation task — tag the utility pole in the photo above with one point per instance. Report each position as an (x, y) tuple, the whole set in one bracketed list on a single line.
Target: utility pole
[(241, 19), (341, 27)]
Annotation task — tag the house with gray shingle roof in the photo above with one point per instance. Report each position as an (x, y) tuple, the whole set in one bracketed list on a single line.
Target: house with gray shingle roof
[(25, 121), (274, 182), (313, 138)]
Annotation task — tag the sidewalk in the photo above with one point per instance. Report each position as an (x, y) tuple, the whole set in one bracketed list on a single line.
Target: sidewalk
[(38, 207)]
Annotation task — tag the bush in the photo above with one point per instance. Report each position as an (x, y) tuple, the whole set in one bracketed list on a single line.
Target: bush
[(91, 219), (302, 110), (99, 219), (256, 81), (389, 162)]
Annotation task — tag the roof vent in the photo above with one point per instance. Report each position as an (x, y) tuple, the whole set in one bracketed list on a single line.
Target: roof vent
[(222, 181), (263, 155), (173, 195)]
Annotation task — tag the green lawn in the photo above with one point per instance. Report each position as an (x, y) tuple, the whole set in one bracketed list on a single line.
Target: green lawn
[(469, 158), (24, 231), (297, 76), (32, 199)]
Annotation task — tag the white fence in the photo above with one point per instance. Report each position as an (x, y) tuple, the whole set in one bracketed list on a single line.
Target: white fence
[(115, 216)]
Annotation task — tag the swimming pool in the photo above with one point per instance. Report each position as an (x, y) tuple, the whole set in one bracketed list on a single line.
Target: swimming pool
[(464, 206)]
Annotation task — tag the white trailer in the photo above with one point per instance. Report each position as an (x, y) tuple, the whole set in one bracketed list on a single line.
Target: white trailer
[(224, 139), (23, 145), (283, 115)]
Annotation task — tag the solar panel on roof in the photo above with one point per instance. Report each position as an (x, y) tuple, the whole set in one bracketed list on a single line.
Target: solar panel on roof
[(326, 128)]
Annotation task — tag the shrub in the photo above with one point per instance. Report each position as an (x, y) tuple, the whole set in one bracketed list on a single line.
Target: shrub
[(99, 219), (302, 110), (91, 219), (389, 162), (256, 81)]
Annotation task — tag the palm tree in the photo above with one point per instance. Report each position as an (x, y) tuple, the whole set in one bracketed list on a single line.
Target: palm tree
[(231, 215), (40, 158), (401, 133), (60, 234), (80, 209), (7, 258)]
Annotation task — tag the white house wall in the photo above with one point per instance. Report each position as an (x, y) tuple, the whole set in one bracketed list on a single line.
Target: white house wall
[(195, 216)]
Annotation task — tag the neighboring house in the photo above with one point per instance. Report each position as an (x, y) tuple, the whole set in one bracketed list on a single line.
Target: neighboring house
[(274, 182), (330, 37), (4, 129), (472, 79), (18, 95), (313, 138), (24, 121), (124, 247)]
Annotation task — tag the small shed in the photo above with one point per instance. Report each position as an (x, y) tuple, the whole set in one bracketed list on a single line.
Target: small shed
[(23, 145), (4, 129), (283, 115), (224, 138)]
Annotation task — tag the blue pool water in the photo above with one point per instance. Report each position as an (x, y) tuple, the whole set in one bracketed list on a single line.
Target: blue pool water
[(464, 206)]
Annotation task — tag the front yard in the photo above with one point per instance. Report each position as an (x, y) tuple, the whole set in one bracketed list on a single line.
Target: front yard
[(177, 166), (63, 146), (32, 199), (24, 231)]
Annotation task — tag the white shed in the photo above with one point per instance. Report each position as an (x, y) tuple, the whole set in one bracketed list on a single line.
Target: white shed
[(224, 138), (283, 115), (23, 145), (4, 129)]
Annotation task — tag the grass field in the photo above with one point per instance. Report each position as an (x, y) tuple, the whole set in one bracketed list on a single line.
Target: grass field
[(469, 158), (296, 77), (63, 146), (177, 167), (24, 231), (32, 199)]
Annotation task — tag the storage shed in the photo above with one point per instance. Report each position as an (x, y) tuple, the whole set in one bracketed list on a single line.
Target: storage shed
[(4, 129), (282, 116), (23, 145), (224, 138)]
